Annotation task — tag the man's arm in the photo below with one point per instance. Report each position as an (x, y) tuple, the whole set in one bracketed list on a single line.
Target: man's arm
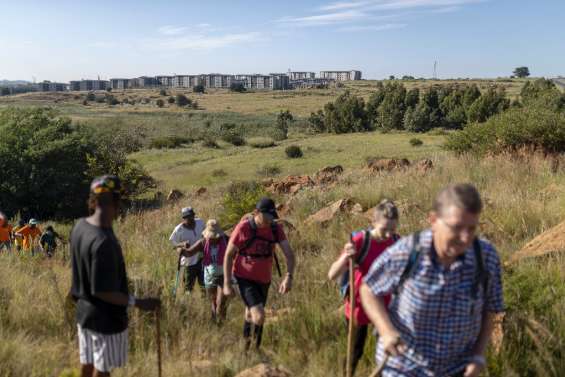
[(377, 312), (120, 299), (228, 264), (341, 264), (192, 250), (289, 257)]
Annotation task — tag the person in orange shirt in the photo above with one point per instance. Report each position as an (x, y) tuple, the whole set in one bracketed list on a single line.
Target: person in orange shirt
[(5, 233), (18, 241), (29, 234)]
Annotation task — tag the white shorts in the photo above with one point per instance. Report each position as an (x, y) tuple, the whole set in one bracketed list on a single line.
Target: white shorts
[(104, 351)]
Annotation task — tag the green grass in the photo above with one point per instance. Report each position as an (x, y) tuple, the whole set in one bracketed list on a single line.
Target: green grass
[(189, 167)]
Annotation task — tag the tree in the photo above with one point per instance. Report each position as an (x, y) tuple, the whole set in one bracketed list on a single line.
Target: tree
[(5, 92), (237, 87), (316, 121), (521, 72), (492, 102), (171, 100), (390, 113), (198, 88), (182, 100), (543, 93), (406, 77), (283, 122), (346, 114), (160, 103)]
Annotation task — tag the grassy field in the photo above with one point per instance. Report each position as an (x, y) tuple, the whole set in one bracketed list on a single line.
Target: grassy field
[(187, 168), (304, 331)]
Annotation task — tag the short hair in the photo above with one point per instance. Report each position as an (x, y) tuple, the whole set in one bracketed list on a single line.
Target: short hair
[(386, 209), (464, 196)]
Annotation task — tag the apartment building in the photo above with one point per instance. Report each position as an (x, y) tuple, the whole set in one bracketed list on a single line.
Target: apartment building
[(164, 81), (89, 85), (48, 86), (301, 75), (143, 82), (120, 84), (341, 75)]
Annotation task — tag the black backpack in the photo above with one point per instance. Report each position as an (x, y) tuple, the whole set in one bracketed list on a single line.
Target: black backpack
[(344, 281), (481, 275), (254, 237)]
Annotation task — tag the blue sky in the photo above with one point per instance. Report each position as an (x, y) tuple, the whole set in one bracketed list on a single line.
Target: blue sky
[(65, 40)]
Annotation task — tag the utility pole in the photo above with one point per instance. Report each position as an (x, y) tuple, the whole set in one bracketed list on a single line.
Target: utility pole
[(435, 70)]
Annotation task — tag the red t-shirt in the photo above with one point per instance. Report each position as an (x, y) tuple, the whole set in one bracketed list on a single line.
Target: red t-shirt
[(253, 268), (375, 249)]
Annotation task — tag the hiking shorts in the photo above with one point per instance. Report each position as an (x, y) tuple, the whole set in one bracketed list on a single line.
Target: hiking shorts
[(104, 351), (213, 276), (252, 292)]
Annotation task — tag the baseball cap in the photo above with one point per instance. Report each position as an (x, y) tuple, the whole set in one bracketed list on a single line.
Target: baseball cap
[(187, 211), (267, 205), (106, 183), (33, 222)]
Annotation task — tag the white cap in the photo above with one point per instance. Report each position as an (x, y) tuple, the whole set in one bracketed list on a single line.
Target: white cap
[(187, 211)]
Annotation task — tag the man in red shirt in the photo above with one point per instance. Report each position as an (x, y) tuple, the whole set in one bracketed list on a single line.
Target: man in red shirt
[(382, 233), (252, 243)]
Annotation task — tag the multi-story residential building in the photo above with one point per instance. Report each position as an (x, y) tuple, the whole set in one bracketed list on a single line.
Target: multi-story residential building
[(143, 82), (88, 85), (301, 75), (164, 81), (48, 86), (119, 83), (311, 83), (341, 75)]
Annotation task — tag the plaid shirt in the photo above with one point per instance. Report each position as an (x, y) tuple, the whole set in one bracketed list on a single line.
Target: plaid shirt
[(434, 312)]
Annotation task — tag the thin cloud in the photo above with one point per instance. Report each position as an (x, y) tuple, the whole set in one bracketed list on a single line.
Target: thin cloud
[(344, 5), (372, 27), (324, 19), (201, 41), (172, 30), (103, 44)]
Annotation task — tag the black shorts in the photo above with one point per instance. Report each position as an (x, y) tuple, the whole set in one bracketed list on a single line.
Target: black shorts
[(252, 292)]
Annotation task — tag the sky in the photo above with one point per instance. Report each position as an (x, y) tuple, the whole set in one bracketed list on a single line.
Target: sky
[(71, 40)]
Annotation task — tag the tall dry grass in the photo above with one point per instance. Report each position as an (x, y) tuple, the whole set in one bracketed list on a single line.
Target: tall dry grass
[(305, 330)]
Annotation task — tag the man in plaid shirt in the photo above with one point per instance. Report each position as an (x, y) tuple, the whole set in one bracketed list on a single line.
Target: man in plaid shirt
[(445, 295)]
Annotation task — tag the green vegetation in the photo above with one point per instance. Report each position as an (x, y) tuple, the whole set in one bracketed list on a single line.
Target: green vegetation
[(261, 142), (415, 142), (170, 142), (521, 72), (293, 151)]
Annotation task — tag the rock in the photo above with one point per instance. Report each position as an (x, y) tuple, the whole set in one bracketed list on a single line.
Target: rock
[(328, 213), (387, 164), (290, 185), (264, 370), (174, 195), (327, 175), (549, 242), (424, 165), (200, 191)]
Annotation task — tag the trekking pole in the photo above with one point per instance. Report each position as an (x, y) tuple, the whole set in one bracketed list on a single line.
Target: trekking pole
[(349, 367), (377, 372), (177, 278), (158, 329), (277, 264)]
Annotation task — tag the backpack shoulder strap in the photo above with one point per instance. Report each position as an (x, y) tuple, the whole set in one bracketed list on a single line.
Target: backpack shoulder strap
[(412, 263), (253, 226), (275, 231), (364, 247), (481, 275)]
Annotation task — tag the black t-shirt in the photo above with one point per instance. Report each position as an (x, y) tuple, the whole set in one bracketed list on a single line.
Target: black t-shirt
[(98, 266)]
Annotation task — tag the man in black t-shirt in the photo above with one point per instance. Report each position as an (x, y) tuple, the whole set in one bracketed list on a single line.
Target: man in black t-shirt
[(99, 283)]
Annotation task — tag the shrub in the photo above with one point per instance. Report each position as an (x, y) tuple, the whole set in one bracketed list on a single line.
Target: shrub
[(293, 151), (198, 89), (234, 139), (91, 96), (346, 114), (163, 92), (237, 87), (492, 102), (261, 142), (182, 100), (415, 142), (171, 100), (85, 103), (532, 128), (170, 142), (239, 199), (160, 103), (100, 99), (284, 119), (269, 170), (219, 173), (210, 143)]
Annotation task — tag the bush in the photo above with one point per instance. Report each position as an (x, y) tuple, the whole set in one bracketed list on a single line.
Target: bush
[(91, 96), (171, 100), (210, 143), (237, 87), (170, 142), (182, 100), (269, 170), (219, 173), (239, 199), (518, 128), (346, 114), (415, 142), (198, 89), (284, 119), (261, 142), (163, 92), (111, 100), (160, 103), (234, 139), (293, 151)]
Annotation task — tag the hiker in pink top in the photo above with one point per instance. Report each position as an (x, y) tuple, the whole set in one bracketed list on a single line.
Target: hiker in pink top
[(214, 244), (365, 247)]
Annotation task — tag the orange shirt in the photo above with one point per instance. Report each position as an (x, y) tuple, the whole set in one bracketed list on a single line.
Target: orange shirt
[(29, 235), (5, 231)]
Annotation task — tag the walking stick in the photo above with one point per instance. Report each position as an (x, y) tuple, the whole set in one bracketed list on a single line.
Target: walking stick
[(177, 278), (158, 326), (349, 367), (377, 372)]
